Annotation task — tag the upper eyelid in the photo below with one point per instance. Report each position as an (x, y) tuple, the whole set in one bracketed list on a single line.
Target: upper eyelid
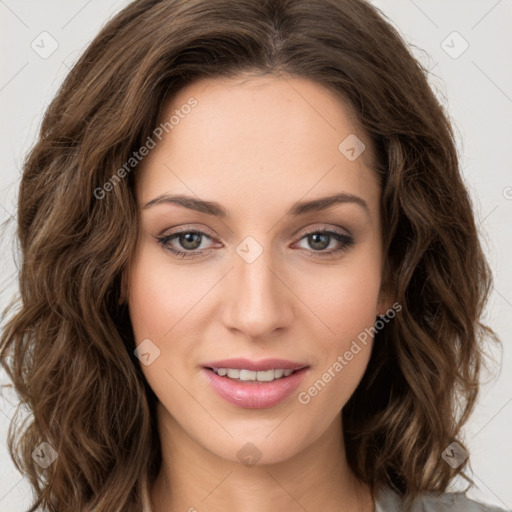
[(304, 231), (299, 235)]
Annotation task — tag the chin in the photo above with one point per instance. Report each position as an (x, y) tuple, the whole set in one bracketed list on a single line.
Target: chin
[(259, 448)]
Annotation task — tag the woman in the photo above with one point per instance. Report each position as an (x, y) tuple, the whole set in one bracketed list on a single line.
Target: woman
[(244, 284)]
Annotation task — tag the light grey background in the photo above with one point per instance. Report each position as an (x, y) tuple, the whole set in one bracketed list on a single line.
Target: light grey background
[(476, 87)]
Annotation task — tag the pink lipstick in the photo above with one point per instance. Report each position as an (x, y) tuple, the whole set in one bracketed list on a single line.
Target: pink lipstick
[(254, 384)]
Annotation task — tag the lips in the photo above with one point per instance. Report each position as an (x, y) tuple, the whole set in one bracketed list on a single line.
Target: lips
[(254, 394), (255, 366)]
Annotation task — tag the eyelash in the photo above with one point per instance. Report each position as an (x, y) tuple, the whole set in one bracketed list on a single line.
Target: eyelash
[(346, 240)]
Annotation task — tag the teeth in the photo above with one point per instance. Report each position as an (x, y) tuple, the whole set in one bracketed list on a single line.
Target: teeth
[(249, 375), (265, 376)]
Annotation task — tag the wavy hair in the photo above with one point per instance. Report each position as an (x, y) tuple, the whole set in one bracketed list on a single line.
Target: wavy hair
[(68, 348)]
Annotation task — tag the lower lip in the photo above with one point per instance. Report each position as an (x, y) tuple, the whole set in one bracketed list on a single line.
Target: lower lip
[(254, 394)]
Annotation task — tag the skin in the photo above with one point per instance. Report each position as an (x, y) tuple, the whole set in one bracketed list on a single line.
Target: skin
[(256, 145)]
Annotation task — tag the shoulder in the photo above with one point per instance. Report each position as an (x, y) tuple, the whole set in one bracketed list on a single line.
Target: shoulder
[(453, 501), (386, 500)]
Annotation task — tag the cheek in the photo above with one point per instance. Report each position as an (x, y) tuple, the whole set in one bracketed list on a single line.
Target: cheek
[(336, 376), (345, 299), (165, 305), (158, 306), (160, 296), (346, 304)]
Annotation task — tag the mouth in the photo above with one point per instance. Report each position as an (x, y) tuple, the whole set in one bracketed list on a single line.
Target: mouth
[(244, 375), (254, 385)]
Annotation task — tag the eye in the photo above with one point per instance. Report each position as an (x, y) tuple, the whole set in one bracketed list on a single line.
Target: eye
[(190, 240), (319, 240)]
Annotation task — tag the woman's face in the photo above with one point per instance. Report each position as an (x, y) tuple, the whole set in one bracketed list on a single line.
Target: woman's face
[(259, 281)]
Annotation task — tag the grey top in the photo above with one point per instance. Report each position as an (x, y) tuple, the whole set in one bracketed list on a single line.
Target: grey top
[(386, 500)]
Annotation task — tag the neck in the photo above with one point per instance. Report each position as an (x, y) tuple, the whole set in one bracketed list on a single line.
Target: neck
[(194, 479)]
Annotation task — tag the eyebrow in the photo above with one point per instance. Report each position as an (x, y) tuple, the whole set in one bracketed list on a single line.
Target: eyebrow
[(298, 208)]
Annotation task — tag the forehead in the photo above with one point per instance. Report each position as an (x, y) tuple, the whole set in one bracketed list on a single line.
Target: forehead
[(267, 138)]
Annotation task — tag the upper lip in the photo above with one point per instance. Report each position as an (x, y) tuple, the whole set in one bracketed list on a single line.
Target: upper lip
[(255, 366)]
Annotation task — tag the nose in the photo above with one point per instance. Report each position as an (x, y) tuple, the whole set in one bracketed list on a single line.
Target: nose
[(257, 300)]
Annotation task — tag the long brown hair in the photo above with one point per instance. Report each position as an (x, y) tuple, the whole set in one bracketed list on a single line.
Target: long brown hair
[(68, 348)]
